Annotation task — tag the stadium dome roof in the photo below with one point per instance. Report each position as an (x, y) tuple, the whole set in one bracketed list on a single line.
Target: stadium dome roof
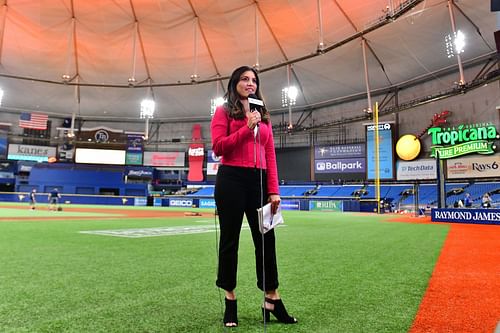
[(99, 59)]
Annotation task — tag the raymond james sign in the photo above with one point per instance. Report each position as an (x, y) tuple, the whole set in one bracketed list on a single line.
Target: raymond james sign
[(472, 216), (462, 140)]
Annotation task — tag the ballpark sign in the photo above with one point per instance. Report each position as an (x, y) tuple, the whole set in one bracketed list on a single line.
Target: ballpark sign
[(462, 140)]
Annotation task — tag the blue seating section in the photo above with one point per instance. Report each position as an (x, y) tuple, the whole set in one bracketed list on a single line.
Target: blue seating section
[(204, 191), (81, 179), (293, 191), (94, 180), (402, 193), (479, 189), (338, 191), (328, 191), (395, 191)]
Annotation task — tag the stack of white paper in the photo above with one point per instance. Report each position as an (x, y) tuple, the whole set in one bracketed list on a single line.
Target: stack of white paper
[(267, 220)]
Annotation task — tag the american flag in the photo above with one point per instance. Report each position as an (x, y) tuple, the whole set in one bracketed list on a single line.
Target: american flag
[(33, 120)]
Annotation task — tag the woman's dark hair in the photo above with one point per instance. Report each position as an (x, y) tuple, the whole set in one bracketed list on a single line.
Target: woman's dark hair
[(233, 103)]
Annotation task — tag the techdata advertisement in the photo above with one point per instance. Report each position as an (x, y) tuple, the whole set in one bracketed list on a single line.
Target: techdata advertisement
[(416, 170)]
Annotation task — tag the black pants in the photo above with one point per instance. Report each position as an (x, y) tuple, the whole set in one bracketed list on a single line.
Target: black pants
[(238, 192)]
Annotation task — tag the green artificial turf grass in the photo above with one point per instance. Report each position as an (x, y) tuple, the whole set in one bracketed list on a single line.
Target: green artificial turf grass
[(339, 272)]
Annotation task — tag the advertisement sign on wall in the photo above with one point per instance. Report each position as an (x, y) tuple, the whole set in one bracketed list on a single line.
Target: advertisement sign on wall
[(351, 165), (134, 149), (30, 153), (133, 158), (326, 205), (164, 159), (416, 170), (473, 167), (290, 204), (139, 172), (339, 151), (386, 156), (207, 203), (213, 163), (463, 139), (180, 202), (196, 155), (140, 201), (135, 143), (66, 152), (346, 161), (472, 216)]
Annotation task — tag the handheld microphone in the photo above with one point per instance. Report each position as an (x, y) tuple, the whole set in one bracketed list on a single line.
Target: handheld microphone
[(255, 103)]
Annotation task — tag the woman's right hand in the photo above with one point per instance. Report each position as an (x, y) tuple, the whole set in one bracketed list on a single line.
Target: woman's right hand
[(253, 119)]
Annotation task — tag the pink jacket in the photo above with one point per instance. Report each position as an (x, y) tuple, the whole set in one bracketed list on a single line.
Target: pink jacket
[(237, 145)]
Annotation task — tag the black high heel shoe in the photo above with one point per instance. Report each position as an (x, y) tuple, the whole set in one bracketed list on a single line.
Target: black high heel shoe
[(231, 313), (279, 312)]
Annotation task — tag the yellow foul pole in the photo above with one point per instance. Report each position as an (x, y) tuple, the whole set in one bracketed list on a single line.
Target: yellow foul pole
[(377, 159)]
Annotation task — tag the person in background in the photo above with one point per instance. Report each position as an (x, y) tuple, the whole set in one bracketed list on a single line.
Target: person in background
[(54, 197), (486, 200), (33, 199), (467, 200), (244, 141)]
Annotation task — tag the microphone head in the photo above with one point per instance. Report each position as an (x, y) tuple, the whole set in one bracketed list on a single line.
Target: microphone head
[(255, 103)]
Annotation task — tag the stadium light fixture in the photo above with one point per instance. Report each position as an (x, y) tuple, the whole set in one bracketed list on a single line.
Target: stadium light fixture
[(147, 111), (459, 42), (455, 43), (289, 96), (147, 108), (214, 103)]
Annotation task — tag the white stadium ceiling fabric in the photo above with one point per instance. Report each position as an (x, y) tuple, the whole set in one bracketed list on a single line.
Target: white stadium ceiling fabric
[(101, 44)]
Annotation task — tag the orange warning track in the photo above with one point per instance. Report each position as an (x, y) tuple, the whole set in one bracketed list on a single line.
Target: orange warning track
[(463, 294), (120, 213)]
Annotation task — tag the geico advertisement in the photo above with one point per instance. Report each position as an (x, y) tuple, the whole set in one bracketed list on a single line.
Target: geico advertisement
[(473, 167), (180, 202), (347, 165)]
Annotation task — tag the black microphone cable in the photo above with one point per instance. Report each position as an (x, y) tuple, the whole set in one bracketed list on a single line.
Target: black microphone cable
[(217, 266), (221, 303), (262, 231), (255, 101)]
